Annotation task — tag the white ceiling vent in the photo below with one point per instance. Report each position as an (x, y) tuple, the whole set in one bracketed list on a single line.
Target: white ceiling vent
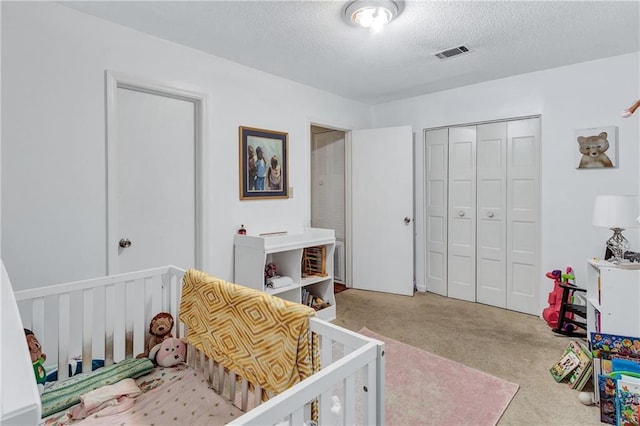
[(449, 53)]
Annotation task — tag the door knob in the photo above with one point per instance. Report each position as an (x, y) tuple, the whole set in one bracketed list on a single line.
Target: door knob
[(461, 213), (490, 214), (407, 220), (124, 243)]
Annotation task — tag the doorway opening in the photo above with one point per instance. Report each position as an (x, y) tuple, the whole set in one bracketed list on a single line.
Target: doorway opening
[(328, 195), (375, 243)]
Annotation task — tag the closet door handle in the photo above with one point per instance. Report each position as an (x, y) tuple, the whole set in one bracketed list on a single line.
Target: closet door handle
[(407, 220), (461, 213), (490, 214)]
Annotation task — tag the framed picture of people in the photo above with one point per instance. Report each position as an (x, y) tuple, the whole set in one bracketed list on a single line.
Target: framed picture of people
[(264, 167)]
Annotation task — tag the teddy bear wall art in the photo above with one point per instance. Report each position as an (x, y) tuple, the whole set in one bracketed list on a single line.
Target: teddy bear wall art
[(596, 147)]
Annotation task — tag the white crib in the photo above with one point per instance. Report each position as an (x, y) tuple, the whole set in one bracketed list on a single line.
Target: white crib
[(107, 318)]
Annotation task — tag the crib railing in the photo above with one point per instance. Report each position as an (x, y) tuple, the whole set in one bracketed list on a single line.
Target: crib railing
[(104, 318), (352, 370), (108, 318)]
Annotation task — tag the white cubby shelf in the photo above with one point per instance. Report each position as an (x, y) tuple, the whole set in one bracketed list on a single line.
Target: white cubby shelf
[(253, 252)]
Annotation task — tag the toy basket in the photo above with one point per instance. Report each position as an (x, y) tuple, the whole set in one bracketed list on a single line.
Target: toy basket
[(314, 261)]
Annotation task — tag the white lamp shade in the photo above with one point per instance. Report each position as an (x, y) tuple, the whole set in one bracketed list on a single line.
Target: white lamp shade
[(616, 211)]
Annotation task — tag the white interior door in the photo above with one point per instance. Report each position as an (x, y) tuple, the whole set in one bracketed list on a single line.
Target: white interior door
[(436, 161), (461, 265), (152, 170), (380, 209), (523, 212), (491, 223)]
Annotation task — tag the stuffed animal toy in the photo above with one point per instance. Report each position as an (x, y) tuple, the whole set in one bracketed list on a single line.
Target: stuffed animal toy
[(170, 352), (37, 359), (159, 329)]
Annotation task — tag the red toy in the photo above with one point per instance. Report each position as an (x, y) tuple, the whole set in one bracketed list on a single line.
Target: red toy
[(551, 314)]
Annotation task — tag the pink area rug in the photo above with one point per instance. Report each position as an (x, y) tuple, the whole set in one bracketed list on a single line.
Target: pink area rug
[(426, 389)]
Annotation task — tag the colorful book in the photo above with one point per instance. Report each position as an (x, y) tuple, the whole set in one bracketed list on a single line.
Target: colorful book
[(607, 396), (565, 366), (627, 400), (582, 382), (578, 374), (604, 345)]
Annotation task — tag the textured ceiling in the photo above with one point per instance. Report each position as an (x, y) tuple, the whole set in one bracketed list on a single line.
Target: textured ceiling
[(309, 41)]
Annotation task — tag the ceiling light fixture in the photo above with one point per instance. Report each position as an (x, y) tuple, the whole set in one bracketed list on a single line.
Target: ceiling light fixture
[(373, 14)]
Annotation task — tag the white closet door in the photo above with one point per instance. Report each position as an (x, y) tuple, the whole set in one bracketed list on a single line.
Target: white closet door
[(462, 213), (523, 212), (491, 223), (436, 161)]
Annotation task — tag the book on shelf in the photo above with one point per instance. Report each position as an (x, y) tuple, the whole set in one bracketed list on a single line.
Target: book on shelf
[(565, 366), (313, 301)]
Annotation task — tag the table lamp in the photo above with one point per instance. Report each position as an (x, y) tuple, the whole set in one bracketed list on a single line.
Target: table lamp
[(616, 212)]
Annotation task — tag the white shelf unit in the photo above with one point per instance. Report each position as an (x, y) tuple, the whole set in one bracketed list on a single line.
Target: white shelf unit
[(253, 253), (613, 299)]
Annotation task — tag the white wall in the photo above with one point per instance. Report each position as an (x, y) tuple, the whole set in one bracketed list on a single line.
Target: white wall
[(574, 97), (0, 136), (53, 140), (53, 165)]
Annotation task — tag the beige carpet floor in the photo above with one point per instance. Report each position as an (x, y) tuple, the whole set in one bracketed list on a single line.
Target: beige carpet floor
[(515, 347)]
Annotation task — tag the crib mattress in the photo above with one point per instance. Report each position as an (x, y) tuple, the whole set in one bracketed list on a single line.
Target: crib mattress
[(174, 395)]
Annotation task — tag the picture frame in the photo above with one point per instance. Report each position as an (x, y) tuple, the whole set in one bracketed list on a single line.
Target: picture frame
[(596, 148), (271, 178)]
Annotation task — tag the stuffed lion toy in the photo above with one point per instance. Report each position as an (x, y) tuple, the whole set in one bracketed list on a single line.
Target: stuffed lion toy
[(159, 329)]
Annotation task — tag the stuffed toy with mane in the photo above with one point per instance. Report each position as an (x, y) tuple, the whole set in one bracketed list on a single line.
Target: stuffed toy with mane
[(159, 329), (37, 359)]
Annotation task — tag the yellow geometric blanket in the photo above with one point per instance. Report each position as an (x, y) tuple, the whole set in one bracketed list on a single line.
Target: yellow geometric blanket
[(263, 338)]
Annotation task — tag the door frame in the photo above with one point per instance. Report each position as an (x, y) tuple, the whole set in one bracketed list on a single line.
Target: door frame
[(348, 170), (117, 80), (347, 189)]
